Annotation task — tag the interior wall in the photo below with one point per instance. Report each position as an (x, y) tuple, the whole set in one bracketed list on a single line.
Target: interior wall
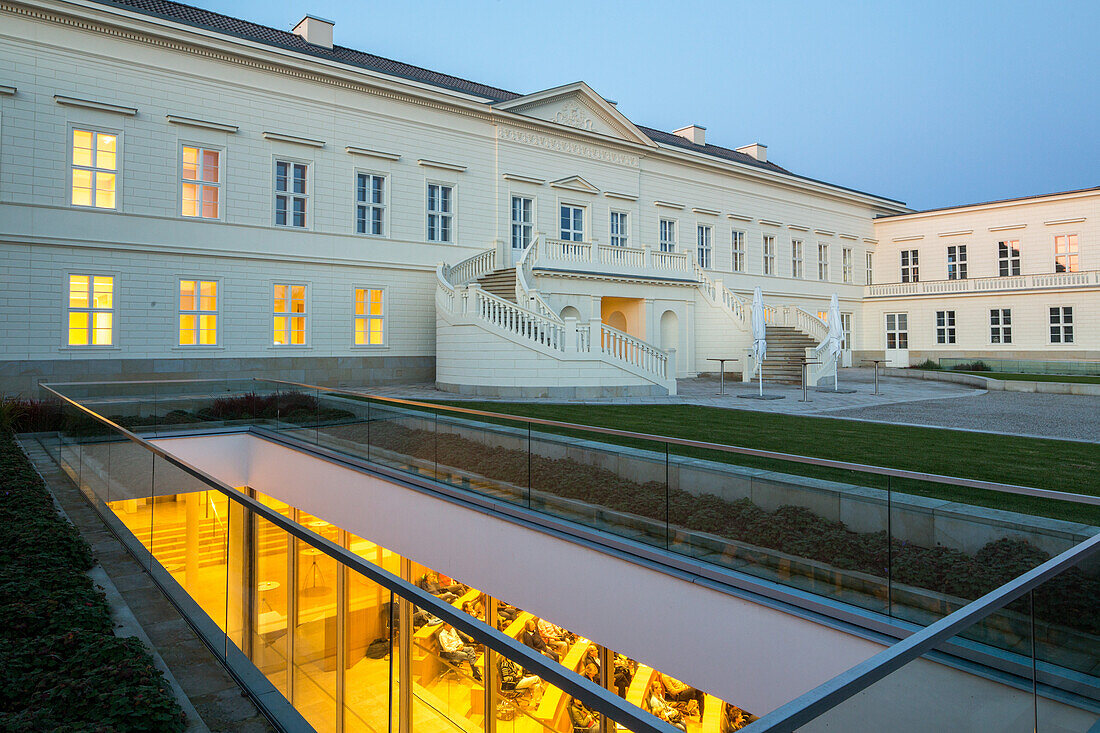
[(633, 314)]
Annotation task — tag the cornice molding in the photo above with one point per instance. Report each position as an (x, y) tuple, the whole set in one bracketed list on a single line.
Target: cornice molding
[(770, 223), (824, 233), (852, 237), (707, 212), (1007, 227), (798, 228), (92, 104), (622, 196), (523, 179), (367, 152), (6, 91), (870, 240), (910, 238), (668, 204), (441, 165), (1056, 222), (192, 122), (956, 233), (280, 137), (738, 217)]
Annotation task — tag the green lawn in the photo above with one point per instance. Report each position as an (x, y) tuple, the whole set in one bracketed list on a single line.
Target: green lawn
[(1015, 377), (1048, 464)]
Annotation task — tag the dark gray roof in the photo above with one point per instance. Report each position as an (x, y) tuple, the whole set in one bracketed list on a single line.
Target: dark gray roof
[(995, 201), (200, 18)]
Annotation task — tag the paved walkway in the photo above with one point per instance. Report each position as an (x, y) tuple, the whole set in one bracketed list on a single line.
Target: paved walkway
[(704, 391)]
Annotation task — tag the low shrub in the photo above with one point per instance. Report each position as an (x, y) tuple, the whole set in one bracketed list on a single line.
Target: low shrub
[(927, 365), (973, 366), (63, 668)]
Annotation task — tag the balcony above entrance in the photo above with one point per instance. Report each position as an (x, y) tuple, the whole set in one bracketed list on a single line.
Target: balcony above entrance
[(591, 258)]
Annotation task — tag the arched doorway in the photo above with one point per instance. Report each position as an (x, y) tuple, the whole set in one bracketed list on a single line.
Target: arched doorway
[(617, 320), (670, 330)]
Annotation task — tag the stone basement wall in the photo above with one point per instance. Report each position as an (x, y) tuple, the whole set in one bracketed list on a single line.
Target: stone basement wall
[(22, 377)]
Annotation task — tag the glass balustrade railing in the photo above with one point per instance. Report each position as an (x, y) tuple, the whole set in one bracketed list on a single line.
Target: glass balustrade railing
[(914, 547)]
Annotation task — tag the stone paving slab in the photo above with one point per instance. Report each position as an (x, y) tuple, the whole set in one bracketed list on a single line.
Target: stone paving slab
[(220, 703)]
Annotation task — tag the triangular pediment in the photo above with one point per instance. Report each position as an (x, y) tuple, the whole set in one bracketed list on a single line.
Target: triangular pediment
[(576, 105), (575, 183)]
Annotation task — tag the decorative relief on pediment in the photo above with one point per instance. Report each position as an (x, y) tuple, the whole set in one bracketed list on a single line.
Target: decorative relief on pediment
[(526, 137), (573, 114)]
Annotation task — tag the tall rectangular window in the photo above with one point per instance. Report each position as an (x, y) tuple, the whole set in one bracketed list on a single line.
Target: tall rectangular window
[(797, 269), (870, 268), (1061, 325), (198, 313), (523, 221), (846, 329), (738, 249), (1065, 253), (897, 330), (1000, 326), (956, 262), (201, 182), (945, 327), (291, 193), (667, 239), (620, 229), (91, 310), (846, 264), (910, 266), (370, 204), (1008, 257), (95, 169), (703, 236), (572, 223), (290, 315), (369, 317), (769, 254), (822, 261), (440, 212)]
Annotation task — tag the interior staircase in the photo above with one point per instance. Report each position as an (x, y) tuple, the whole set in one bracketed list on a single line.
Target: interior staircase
[(786, 350), (501, 283)]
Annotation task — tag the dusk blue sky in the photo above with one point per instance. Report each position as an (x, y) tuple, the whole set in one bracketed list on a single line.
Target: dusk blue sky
[(932, 103)]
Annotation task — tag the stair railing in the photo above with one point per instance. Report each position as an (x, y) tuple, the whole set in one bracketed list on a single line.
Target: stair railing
[(721, 296), (525, 275), (517, 320), (632, 350), (810, 324), (470, 269)]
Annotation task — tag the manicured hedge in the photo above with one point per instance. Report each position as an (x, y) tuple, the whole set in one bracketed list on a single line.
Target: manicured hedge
[(62, 667)]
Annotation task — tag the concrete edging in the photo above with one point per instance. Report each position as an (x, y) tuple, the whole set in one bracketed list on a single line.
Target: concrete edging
[(996, 385)]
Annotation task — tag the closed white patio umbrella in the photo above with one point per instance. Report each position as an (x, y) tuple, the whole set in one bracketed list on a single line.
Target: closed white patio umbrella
[(835, 338), (759, 336)]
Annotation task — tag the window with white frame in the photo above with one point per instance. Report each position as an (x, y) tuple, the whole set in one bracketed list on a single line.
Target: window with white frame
[(1000, 325), (703, 237), (620, 229), (667, 238), (201, 182), (956, 262), (897, 330), (1008, 257), (370, 204), (870, 268), (198, 313), (440, 212), (291, 193), (572, 223), (846, 329), (910, 265), (945, 327), (91, 310), (94, 169), (797, 269), (290, 315), (523, 221), (1061, 325), (846, 264), (822, 261), (369, 317), (769, 254), (1065, 253), (738, 249)]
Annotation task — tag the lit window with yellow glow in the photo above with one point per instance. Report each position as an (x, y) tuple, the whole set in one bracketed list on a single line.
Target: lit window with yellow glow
[(95, 169), (198, 313), (368, 317), (91, 310), (201, 182), (290, 315)]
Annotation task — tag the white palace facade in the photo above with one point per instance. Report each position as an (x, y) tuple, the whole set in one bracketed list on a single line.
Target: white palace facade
[(183, 193)]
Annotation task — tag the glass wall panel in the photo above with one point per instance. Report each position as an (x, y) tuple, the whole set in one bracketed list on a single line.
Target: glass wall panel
[(271, 600), (369, 619), (315, 626), (489, 458)]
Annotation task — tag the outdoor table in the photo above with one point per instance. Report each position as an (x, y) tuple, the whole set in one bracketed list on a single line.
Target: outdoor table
[(876, 362), (804, 364), (722, 367)]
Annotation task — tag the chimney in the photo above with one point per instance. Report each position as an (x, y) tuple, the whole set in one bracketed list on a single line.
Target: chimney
[(694, 133), (756, 150), (317, 31)]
